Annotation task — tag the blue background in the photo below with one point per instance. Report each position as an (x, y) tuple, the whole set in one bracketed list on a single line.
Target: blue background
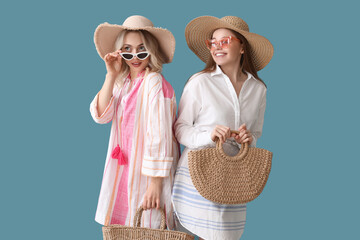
[(52, 153)]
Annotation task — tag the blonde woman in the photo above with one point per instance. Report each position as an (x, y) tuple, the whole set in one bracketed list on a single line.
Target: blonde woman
[(141, 105), (226, 95)]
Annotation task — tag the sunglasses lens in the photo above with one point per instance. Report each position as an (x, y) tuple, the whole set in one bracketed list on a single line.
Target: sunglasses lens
[(142, 56), (225, 42), (127, 56), (208, 44)]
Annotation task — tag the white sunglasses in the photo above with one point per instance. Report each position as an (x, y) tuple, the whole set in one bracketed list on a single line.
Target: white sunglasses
[(140, 55)]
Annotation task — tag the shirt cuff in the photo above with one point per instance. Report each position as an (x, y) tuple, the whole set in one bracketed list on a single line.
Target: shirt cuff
[(156, 166)]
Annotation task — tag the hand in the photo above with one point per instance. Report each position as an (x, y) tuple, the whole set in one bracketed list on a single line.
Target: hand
[(113, 62), (244, 135), (221, 132), (152, 194)]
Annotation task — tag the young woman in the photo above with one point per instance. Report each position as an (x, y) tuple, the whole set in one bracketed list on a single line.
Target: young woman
[(226, 95), (141, 105)]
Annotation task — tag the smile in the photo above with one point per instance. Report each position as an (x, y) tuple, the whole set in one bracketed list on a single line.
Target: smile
[(136, 64), (219, 54)]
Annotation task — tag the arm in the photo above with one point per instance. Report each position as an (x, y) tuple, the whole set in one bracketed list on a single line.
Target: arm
[(256, 134), (105, 94), (102, 107), (159, 134), (189, 108), (158, 156)]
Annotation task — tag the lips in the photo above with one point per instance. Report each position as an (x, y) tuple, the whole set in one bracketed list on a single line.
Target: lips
[(136, 64), (219, 54)]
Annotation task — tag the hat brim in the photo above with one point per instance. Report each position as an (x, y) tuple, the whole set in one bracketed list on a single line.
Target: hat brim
[(201, 29), (105, 36)]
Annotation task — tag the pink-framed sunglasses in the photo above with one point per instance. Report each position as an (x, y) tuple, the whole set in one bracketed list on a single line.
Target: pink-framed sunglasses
[(128, 56), (223, 43)]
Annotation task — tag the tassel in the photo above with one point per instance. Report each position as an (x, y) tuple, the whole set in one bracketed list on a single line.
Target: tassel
[(117, 154)]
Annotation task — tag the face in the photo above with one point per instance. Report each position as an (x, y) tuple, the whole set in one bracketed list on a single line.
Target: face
[(226, 55), (134, 44)]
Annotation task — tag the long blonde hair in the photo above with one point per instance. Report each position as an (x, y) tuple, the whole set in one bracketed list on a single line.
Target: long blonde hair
[(157, 57), (246, 62)]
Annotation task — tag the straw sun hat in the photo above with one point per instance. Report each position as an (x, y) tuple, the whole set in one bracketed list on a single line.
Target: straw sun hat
[(202, 28), (106, 34)]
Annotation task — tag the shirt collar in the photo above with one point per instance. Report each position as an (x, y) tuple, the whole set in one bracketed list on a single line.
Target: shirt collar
[(218, 71)]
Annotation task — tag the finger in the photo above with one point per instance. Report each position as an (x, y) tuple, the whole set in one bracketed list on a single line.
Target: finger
[(148, 206), (144, 204), (225, 129), (244, 137), (157, 203), (243, 126), (114, 54), (241, 134), (220, 134), (109, 58), (153, 205)]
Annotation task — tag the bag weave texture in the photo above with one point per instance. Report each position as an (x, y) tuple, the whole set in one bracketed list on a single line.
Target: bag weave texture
[(230, 179), (120, 232)]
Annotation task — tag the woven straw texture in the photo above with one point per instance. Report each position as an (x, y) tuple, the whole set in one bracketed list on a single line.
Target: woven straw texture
[(230, 180), (119, 232), (201, 29)]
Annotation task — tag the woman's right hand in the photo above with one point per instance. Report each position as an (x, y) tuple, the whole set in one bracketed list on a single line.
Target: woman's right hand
[(113, 62), (221, 132)]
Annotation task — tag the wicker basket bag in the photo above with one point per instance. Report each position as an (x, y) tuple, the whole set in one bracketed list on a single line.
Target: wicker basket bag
[(230, 180), (120, 232)]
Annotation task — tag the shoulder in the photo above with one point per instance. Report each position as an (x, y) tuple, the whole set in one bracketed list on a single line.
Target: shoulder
[(257, 84), (153, 77), (156, 81), (198, 79)]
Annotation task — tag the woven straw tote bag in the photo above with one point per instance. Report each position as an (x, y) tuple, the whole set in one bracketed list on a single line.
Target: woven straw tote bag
[(230, 179), (120, 232)]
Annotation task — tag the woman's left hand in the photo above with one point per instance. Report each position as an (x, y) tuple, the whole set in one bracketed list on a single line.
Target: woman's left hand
[(244, 135), (152, 194)]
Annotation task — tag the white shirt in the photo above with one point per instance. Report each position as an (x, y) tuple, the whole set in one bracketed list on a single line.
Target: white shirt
[(209, 99)]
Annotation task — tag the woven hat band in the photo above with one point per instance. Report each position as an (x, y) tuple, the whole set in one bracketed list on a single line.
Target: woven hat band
[(236, 22)]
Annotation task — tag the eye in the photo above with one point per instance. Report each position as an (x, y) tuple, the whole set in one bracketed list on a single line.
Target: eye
[(224, 41), (127, 49), (142, 48)]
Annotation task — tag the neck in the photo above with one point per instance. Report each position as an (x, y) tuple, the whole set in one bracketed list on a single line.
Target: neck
[(134, 74), (234, 72)]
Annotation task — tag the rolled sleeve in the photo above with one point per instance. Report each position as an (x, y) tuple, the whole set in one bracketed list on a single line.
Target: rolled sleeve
[(107, 115)]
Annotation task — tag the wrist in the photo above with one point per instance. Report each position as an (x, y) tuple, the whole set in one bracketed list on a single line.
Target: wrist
[(156, 180), (111, 76)]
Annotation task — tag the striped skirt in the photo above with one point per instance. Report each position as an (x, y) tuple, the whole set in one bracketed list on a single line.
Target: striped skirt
[(200, 216)]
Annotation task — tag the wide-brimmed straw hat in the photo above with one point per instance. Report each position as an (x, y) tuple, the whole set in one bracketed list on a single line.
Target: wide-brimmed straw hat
[(106, 34), (202, 28)]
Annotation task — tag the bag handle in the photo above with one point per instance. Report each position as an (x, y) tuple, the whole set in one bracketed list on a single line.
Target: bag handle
[(241, 154), (138, 215)]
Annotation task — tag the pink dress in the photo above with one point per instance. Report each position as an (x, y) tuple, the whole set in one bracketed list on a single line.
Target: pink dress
[(143, 113)]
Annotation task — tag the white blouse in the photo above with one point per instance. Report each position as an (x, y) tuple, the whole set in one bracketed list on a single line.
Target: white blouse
[(209, 99)]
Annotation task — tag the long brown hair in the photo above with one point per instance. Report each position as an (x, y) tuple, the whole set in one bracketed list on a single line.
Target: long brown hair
[(246, 62)]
